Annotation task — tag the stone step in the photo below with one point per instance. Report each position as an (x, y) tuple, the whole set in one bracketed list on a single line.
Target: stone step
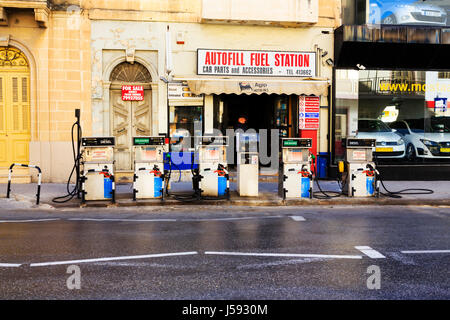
[(20, 175), (16, 170), (16, 178)]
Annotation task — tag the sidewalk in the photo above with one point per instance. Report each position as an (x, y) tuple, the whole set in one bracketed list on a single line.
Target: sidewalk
[(23, 196)]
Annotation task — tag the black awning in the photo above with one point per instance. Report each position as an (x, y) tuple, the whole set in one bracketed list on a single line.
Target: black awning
[(392, 47)]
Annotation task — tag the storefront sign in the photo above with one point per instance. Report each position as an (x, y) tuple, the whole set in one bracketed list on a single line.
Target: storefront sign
[(440, 104), (256, 63), (181, 91), (308, 109), (132, 93)]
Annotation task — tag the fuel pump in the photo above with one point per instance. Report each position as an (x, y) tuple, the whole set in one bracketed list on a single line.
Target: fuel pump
[(97, 175), (360, 177), (214, 178), (148, 181), (247, 164), (295, 176)]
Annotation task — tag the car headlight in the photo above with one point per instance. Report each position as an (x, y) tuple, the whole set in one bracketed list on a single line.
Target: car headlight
[(404, 6), (400, 142), (429, 143), (404, 18)]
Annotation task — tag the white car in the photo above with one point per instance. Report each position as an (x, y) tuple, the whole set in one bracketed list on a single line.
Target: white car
[(425, 138), (407, 12), (389, 144)]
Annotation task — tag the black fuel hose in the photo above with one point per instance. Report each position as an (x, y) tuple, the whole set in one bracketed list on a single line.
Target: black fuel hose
[(321, 194), (76, 159), (397, 194), (183, 197)]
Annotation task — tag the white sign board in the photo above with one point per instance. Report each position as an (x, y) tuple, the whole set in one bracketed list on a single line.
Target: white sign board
[(181, 91), (256, 63)]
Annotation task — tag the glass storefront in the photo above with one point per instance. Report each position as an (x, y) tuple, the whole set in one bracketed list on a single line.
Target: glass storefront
[(185, 120), (407, 112), (261, 112)]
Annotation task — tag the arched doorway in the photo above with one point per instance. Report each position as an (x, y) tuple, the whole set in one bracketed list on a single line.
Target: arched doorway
[(129, 118), (15, 128)]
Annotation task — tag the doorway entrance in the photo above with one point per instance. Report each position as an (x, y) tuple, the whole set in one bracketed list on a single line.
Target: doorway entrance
[(129, 118), (15, 131), (263, 111)]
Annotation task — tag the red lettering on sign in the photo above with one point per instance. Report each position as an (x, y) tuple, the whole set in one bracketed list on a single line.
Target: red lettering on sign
[(132, 93)]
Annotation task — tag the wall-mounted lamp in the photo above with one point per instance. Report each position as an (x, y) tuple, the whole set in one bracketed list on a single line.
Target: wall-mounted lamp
[(330, 62)]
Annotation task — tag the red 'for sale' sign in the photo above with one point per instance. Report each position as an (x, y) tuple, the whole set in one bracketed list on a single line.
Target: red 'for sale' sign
[(132, 93)]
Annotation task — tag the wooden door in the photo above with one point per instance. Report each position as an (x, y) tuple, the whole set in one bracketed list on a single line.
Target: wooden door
[(129, 119), (15, 133)]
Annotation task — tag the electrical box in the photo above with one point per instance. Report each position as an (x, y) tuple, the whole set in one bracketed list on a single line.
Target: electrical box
[(247, 164), (97, 175), (360, 175), (213, 170), (148, 181), (295, 174)]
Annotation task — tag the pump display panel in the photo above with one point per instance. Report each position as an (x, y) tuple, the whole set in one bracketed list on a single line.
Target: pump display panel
[(150, 141), (98, 142), (297, 143)]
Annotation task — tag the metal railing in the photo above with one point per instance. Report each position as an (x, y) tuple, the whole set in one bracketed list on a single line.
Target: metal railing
[(38, 194)]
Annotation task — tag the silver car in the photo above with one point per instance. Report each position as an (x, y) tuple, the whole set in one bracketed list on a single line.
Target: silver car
[(407, 12), (389, 144)]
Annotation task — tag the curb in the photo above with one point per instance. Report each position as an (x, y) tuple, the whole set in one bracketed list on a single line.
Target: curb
[(266, 203)]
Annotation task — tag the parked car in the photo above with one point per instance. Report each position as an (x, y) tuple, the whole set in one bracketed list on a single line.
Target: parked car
[(425, 138), (406, 12), (389, 144)]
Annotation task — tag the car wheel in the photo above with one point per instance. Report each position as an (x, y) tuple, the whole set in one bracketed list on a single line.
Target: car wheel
[(410, 153), (390, 19)]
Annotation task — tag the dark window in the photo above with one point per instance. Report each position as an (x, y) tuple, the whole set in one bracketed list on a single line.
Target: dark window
[(372, 126)]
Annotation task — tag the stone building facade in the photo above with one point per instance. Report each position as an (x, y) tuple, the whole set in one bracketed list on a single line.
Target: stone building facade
[(80, 54)]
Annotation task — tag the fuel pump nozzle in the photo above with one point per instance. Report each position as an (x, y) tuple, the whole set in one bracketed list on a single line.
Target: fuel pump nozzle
[(374, 173)]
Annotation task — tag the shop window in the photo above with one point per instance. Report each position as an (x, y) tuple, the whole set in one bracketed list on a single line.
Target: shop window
[(444, 75), (282, 115), (185, 120), (353, 12), (407, 113)]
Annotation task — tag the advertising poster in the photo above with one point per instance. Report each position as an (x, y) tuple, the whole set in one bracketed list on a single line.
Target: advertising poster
[(410, 12), (308, 108)]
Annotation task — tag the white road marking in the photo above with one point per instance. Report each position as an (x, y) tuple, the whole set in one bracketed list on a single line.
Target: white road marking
[(426, 251), (289, 255), (122, 220), (280, 263), (172, 220), (31, 220), (298, 218), (229, 219), (371, 253), (157, 255), (9, 265)]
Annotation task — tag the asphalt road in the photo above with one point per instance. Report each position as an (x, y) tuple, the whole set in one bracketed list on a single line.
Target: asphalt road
[(227, 253)]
